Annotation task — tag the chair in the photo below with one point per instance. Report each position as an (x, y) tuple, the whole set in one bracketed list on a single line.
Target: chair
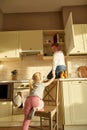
[(49, 117)]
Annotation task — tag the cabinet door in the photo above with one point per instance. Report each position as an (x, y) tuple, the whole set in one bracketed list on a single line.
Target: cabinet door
[(69, 35), (75, 37), (78, 39), (9, 44), (5, 108), (84, 33), (78, 92), (31, 40), (75, 95), (66, 102)]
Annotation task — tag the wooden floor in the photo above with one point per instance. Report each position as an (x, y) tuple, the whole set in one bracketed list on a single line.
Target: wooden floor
[(10, 128), (13, 128)]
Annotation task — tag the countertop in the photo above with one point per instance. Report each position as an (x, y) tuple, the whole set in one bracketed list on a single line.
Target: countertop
[(73, 79), (14, 81), (26, 81)]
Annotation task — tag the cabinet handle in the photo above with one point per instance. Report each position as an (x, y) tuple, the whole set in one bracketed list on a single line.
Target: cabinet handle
[(30, 48), (78, 51), (79, 82)]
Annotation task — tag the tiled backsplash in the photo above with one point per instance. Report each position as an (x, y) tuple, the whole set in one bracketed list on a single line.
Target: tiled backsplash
[(25, 67), (73, 64), (31, 64)]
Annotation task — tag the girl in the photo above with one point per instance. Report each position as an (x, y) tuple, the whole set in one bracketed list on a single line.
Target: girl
[(34, 101), (59, 66)]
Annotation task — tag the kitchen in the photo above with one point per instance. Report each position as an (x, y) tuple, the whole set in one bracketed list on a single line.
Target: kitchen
[(25, 65)]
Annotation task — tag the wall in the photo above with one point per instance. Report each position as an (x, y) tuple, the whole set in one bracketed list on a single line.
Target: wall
[(31, 64), (1, 20), (79, 14), (73, 62), (25, 67), (47, 20), (30, 21)]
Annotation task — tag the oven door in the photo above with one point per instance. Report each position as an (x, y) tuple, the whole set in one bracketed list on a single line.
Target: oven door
[(6, 91), (20, 94)]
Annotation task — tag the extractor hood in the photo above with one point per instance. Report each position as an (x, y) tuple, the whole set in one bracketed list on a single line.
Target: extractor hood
[(30, 52)]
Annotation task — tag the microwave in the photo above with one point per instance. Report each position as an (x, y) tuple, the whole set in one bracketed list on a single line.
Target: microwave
[(6, 91)]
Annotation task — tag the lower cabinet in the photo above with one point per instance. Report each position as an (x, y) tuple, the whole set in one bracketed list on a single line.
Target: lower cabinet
[(5, 108), (75, 104)]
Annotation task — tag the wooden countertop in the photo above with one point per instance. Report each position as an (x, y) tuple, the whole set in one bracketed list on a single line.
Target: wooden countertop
[(73, 79)]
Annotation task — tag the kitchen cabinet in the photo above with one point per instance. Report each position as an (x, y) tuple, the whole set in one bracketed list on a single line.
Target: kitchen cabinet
[(52, 36), (75, 38), (84, 34), (75, 103), (78, 39), (14, 43), (31, 40), (9, 44), (5, 108)]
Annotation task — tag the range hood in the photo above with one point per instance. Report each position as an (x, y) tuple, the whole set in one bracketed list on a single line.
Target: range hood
[(30, 52)]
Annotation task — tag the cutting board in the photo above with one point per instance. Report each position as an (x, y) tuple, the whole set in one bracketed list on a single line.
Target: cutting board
[(82, 71)]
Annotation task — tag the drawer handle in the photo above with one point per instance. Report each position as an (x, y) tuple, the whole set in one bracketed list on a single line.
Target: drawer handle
[(79, 82)]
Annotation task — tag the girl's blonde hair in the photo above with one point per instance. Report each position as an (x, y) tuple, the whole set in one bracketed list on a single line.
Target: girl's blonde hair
[(36, 78)]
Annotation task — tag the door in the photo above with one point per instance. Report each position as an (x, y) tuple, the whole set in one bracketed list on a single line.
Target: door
[(78, 92), (69, 35), (5, 108), (78, 39), (75, 103), (31, 40), (9, 44), (84, 33)]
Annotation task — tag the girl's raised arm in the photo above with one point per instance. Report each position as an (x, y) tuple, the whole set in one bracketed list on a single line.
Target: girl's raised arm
[(49, 81)]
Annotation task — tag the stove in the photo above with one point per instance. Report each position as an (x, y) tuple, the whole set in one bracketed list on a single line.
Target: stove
[(20, 92)]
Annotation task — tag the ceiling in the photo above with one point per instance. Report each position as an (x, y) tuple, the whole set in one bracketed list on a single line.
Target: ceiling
[(26, 6)]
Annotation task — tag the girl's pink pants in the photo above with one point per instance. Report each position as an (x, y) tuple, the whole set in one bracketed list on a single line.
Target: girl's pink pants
[(31, 101)]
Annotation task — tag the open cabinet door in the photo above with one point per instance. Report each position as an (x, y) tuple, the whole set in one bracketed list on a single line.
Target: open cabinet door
[(69, 34), (84, 34)]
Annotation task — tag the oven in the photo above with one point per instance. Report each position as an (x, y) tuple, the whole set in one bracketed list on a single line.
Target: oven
[(6, 91), (20, 93)]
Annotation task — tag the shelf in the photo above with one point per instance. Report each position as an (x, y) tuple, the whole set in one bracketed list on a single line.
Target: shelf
[(47, 57), (48, 39)]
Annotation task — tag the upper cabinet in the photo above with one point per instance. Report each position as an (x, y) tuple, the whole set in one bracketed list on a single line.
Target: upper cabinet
[(52, 36), (69, 40), (75, 37), (84, 34), (31, 40), (14, 42), (9, 44)]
